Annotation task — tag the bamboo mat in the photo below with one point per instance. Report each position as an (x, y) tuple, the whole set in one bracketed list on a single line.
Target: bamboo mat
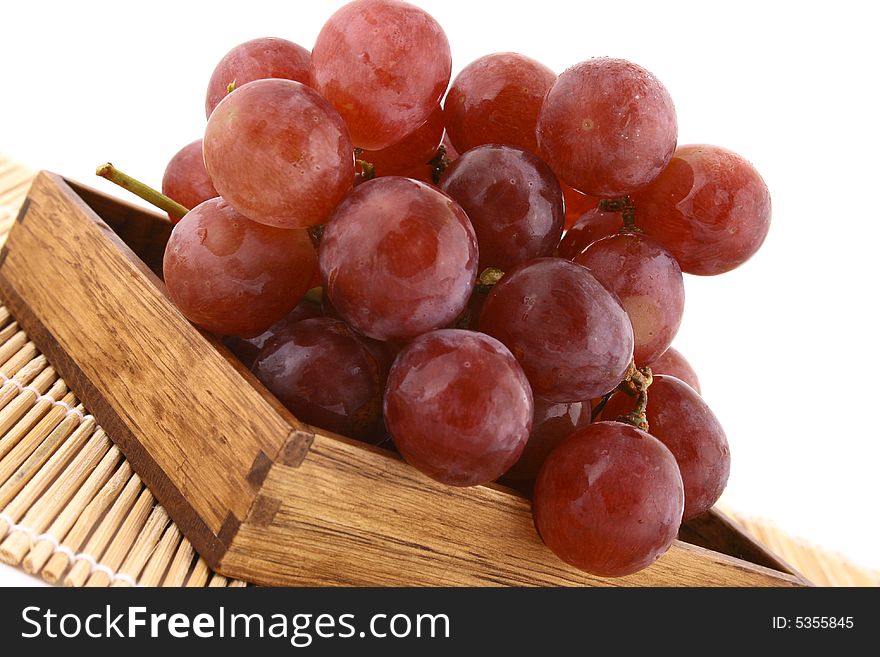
[(73, 512)]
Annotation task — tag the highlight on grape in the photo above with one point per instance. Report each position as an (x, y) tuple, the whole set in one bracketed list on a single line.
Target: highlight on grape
[(484, 277)]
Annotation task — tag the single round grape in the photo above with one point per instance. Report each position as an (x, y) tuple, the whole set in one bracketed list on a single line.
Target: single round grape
[(279, 153), (576, 204), (186, 180), (496, 100), (710, 208), (607, 127), (648, 283), (513, 201), (398, 258), (552, 423), (414, 150), (233, 276), (324, 374), (593, 225), (609, 499), (458, 407), (384, 65), (680, 419), (671, 362), (572, 337), (258, 59), (247, 349)]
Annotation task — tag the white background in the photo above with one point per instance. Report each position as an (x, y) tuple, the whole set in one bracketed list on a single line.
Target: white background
[(785, 346)]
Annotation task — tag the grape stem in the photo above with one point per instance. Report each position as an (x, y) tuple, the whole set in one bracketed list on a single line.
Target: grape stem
[(439, 163), (142, 190), (368, 170), (625, 206), (489, 277), (636, 384)]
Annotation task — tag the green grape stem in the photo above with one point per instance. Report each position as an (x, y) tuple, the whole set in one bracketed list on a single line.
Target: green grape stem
[(142, 190), (368, 171)]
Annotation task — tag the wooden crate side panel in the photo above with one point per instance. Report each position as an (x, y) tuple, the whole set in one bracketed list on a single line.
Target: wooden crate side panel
[(353, 516), (198, 434)]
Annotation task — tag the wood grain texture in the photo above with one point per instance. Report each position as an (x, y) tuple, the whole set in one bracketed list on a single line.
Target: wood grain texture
[(176, 406), (259, 494), (715, 530), (354, 515)]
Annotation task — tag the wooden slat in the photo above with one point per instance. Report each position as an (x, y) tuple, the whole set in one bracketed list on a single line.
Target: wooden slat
[(357, 516), (196, 457)]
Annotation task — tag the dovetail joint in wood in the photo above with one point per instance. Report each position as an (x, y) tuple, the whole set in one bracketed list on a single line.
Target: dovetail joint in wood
[(260, 468), (295, 448)]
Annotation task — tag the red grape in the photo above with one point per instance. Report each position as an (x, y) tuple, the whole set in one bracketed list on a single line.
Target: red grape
[(671, 362), (710, 208), (681, 420), (384, 65), (576, 204), (593, 225), (233, 276), (398, 258), (458, 407), (648, 283), (186, 180), (247, 349), (496, 100), (325, 375), (414, 150), (607, 127), (258, 59), (569, 333), (609, 499), (513, 200), (279, 153), (552, 423)]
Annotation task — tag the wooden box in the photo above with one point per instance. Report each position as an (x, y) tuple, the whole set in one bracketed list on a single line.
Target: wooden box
[(260, 495)]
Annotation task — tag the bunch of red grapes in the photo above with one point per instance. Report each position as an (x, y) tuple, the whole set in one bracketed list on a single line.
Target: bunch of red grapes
[(394, 268)]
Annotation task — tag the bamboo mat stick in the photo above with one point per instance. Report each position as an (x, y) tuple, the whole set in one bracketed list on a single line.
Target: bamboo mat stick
[(217, 581), (124, 539), (4, 316), (180, 565), (41, 512), (237, 583), (40, 443), (85, 523), (23, 377), (31, 370), (67, 514), (161, 557), (19, 359), (104, 533), (13, 344), (144, 545), (199, 575), (35, 475), (24, 419), (8, 331)]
